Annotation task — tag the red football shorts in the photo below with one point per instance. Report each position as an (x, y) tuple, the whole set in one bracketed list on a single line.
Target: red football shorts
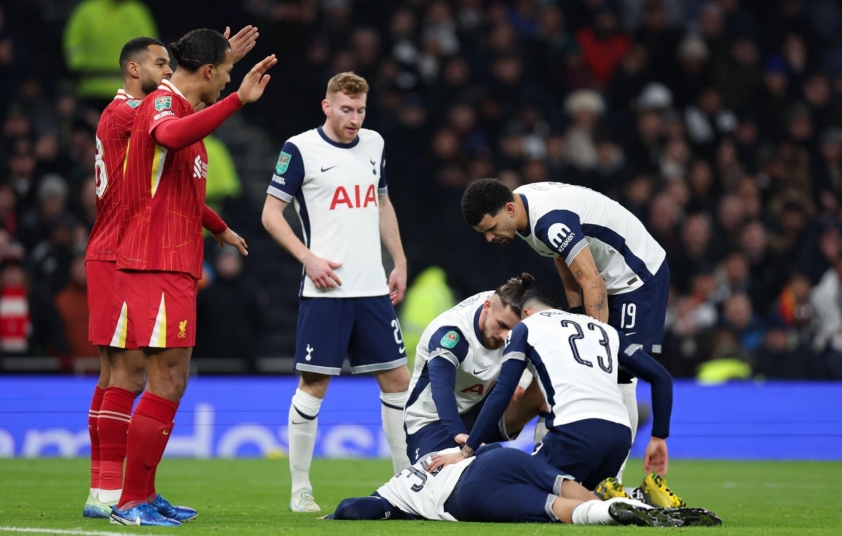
[(101, 312), (154, 309)]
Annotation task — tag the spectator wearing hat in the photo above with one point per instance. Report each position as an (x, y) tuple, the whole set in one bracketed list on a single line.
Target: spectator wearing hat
[(585, 108), (29, 324), (36, 224)]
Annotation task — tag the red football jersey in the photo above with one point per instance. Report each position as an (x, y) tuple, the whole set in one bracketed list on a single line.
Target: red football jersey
[(163, 193), (112, 142)]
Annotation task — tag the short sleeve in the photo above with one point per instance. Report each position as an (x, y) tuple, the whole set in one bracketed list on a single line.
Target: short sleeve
[(561, 231), (382, 189), (516, 343), (448, 342), (289, 173), (165, 108)]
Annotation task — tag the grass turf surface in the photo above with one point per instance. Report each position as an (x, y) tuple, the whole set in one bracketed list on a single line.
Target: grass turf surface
[(252, 497)]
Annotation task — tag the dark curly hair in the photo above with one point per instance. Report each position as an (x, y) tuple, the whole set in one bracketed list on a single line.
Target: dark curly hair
[(511, 294), (135, 47), (200, 47), (485, 196), (543, 295)]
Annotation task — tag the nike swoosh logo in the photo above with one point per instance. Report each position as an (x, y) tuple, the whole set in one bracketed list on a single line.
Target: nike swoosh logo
[(402, 349), (300, 422), (479, 371), (630, 333), (329, 168)]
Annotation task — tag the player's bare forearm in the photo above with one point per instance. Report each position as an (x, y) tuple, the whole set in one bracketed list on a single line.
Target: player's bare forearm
[(278, 228), (390, 233), (594, 291), (572, 290)]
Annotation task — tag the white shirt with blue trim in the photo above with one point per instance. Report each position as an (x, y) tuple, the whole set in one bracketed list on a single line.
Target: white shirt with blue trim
[(575, 359), (454, 336), (563, 219), (335, 188)]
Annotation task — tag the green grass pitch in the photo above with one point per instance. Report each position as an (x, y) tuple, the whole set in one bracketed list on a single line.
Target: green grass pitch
[(251, 497)]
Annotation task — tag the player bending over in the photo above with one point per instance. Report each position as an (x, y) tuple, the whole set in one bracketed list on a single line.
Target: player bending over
[(459, 359), (576, 359), (505, 485)]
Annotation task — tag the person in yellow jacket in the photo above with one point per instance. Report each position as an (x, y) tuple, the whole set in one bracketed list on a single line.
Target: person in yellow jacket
[(426, 298), (93, 38)]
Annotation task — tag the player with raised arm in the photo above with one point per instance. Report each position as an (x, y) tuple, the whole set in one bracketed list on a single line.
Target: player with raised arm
[(145, 63), (611, 267), (336, 176), (159, 257), (458, 360), (508, 486), (576, 359)]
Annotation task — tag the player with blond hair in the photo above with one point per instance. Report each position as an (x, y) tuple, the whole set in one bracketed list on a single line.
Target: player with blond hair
[(336, 177)]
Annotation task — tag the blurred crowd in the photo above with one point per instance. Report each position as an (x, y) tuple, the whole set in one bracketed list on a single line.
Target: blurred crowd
[(717, 122)]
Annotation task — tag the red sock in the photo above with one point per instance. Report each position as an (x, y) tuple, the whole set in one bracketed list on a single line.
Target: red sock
[(149, 432), (93, 413), (150, 485), (113, 424)]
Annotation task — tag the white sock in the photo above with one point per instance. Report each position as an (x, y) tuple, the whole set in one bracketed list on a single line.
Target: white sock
[(303, 422), (108, 496), (94, 492), (540, 431), (629, 391), (592, 513), (393, 427)]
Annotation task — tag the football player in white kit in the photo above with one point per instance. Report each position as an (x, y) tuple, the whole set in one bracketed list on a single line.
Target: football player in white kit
[(611, 267), (505, 485), (575, 359), (458, 360), (336, 176)]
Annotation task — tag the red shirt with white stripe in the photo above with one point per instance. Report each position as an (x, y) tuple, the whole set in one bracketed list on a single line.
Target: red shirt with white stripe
[(163, 192), (112, 142)]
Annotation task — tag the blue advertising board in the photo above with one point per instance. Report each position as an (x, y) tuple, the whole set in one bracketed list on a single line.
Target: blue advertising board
[(242, 417)]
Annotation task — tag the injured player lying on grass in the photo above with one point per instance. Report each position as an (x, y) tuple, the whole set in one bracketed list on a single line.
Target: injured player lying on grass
[(505, 485)]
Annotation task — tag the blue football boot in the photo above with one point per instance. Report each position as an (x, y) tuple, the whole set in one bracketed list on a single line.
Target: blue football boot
[(182, 514), (143, 514)]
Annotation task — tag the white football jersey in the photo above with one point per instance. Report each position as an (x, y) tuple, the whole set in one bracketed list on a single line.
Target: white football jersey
[(575, 359), (423, 494), (335, 188), (454, 335), (563, 219)]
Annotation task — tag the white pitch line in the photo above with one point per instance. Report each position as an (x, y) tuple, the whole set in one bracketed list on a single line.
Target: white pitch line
[(63, 531)]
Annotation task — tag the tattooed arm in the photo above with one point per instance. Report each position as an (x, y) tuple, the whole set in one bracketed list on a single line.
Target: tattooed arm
[(594, 293)]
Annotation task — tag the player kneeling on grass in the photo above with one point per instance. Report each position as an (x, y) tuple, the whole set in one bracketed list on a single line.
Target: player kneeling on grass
[(459, 359), (576, 360), (505, 485)]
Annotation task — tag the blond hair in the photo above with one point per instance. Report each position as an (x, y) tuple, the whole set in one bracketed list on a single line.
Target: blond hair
[(347, 83)]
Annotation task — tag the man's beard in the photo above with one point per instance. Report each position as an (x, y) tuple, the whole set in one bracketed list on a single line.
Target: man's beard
[(148, 85)]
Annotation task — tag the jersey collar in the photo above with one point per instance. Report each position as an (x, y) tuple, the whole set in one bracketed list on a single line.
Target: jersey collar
[(528, 230), (336, 143), (122, 95), (477, 331), (166, 84)]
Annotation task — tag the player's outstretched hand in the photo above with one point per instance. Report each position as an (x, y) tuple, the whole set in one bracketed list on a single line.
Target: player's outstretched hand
[(232, 239), (243, 41), (320, 271), (255, 81), (397, 285), (656, 459), (445, 459)]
